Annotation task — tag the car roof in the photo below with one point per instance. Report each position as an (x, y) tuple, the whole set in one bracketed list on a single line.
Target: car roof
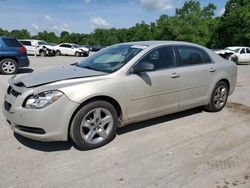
[(11, 37), (159, 43), (236, 47), (31, 40)]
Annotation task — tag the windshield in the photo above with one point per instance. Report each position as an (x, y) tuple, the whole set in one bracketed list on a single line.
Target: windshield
[(75, 46), (42, 43), (234, 50), (112, 58)]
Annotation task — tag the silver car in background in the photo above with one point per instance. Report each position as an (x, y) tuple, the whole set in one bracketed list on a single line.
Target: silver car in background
[(119, 85)]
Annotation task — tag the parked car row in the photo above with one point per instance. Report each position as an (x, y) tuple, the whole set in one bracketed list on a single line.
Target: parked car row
[(238, 54), (43, 48)]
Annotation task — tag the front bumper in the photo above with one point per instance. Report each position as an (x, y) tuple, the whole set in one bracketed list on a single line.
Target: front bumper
[(47, 124)]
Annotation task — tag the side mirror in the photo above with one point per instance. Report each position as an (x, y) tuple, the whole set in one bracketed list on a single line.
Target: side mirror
[(143, 67)]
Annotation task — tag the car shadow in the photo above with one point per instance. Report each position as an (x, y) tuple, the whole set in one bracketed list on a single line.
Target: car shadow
[(25, 71), (44, 146), (67, 145), (155, 121)]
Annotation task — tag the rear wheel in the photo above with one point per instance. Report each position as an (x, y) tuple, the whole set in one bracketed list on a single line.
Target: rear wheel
[(219, 97), (94, 125), (8, 66)]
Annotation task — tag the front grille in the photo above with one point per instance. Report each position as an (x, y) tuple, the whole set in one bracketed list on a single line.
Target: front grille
[(13, 92), (7, 106), (30, 129)]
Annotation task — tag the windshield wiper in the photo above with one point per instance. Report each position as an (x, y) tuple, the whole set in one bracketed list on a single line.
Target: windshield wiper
[(75, 64), (91, 68)]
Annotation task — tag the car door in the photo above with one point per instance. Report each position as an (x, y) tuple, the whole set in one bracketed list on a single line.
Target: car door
[(155, 91), (242, 55), (63, 48), (248, 55), (197, 71), (68, 49)]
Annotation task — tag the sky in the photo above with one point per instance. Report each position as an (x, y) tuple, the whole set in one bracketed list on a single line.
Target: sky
[(83, 16)]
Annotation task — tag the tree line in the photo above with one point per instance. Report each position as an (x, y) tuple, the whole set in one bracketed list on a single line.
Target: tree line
[(191, 22)]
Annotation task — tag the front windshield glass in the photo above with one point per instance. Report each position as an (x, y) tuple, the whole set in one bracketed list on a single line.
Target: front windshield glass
[(75, 46), (112, 58), (234, 50)]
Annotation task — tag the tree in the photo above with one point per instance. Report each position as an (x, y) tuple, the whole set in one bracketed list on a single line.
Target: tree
[(235, 23), (4, 32), (20, 34)]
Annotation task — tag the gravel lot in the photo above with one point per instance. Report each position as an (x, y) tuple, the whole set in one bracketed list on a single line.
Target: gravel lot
[(188, 149)]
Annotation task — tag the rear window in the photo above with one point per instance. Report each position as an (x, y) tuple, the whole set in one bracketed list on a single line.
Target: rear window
[(11, 42), (192, 56), (25, 43)]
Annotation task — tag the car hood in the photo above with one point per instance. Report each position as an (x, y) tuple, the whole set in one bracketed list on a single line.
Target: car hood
[(53, 75), (84, 49), (49, 47)]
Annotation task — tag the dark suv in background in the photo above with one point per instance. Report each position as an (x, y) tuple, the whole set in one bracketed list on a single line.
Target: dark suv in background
[(13, 55)]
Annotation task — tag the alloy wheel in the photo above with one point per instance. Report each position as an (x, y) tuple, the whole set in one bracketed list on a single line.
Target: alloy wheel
[(8, 67), (96, 125), (220, 97)]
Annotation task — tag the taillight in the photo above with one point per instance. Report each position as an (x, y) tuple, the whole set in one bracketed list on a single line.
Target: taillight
[(22, 50)]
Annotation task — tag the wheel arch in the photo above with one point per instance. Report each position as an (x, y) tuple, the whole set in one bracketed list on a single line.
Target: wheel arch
[(226, 81), (42, 50), (108, 99), (9, 57)]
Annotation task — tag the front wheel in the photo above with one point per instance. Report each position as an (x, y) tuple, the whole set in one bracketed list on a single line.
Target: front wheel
[(94, 125), (42, 53), (58, 53), (219, 97), (77, 54)]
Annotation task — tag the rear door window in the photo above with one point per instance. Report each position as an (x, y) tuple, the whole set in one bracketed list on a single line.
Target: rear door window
[(188, 55), (11, 42)]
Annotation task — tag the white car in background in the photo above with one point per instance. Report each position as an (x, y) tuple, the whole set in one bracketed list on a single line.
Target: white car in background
[(85, 49), (38, 47), (241, 54), (71, 49)]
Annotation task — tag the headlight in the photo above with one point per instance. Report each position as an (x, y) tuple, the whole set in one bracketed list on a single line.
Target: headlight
[(43, 99)]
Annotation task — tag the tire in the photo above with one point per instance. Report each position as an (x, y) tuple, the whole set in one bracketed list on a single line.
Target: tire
[(94, 125), (42, 53), (218, 98), (8, 66), (58, 53), (77, 54), (86, 54)]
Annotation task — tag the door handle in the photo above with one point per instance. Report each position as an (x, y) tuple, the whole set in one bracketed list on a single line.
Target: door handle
[(175, 75), (212, 69)]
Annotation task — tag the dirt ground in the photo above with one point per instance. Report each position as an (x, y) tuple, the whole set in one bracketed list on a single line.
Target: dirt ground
[(188, 149)]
